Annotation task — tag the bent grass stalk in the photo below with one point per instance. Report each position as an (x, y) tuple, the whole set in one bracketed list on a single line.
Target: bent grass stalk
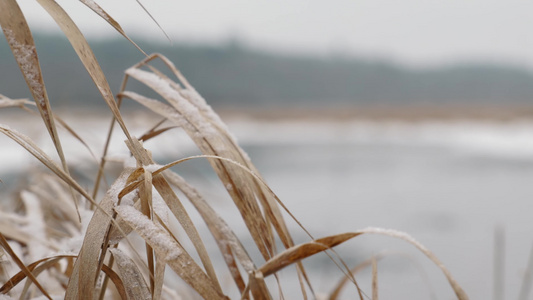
[(99, 245)]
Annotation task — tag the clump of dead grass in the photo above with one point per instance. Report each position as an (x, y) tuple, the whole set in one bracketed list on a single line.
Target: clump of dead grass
[(68, 241)]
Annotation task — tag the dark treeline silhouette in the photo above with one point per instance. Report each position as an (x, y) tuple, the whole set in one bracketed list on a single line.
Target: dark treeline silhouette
[(235, 75)]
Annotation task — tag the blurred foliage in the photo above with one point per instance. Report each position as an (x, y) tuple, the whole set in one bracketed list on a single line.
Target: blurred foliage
[(232, 74)]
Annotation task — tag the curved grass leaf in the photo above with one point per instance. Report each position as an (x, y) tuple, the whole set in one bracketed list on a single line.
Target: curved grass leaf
[(86, 55), (131, 276), (104, 15), (4, 244), (90, 259), (173, 254), (179, 211), (34, 150), (22, 46), (304, 250)]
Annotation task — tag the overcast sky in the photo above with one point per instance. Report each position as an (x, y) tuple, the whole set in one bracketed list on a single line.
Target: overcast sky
[(416, 32)]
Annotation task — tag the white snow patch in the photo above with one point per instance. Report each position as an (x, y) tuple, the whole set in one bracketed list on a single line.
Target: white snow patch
[(129, 198)]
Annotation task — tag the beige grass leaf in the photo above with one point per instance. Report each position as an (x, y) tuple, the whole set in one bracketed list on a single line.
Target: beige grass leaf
[(174, 255), (209, 143), (90, 259), (8, 102), (4, 244), (34, 150), (104, 15), (86, 55), (299, 252), (227, 241), (179, 211), (374, 279), (459, 292), (17, 278), (131, 276), (345, 279), (22, 46)]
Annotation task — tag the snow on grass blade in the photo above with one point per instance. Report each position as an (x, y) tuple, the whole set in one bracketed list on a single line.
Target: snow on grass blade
[(8, 102), (82, 282), (177, 208), (228, 243), (86, 55), (131, 276), (210, 143), (172, 253), (145, 194), (22, 46), (206, 129)]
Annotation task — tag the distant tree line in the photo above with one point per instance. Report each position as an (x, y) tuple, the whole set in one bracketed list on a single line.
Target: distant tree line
[(235, 75)]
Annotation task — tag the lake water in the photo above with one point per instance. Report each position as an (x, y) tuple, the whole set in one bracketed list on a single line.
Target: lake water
[(449, 185)]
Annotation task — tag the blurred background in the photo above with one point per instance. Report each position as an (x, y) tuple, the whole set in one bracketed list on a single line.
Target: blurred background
[(412, 115)]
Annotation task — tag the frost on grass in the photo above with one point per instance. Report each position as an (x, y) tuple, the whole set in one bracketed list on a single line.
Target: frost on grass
[(189, 111), (131, 276), (153, 234), (35, 225), (26, 56)]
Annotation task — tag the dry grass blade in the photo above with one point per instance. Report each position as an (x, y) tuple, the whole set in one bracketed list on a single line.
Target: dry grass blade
[(104, 15), (179, 211), (30, 146), (121, 288), (20, 264), (154, 133), (190, 111), (221, 231), (299, 252), (227, 241), (131, 276), (145, 193), (183, 112), (22, 103), (8, 102), (17, 278), (459, 292), (153, 19), (19, 235), (86, 55), (258, 287), (90, 258), (345, 279), (174, 255), (159, 277), (22, 46), (374, 279)]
